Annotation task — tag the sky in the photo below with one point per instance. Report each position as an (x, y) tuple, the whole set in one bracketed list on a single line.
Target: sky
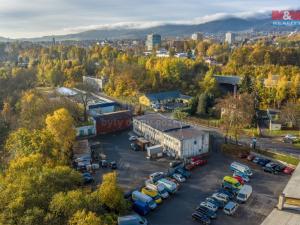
[(35, 18)]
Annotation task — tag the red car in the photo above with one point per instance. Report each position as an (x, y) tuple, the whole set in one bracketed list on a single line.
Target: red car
[(189, 166), (240, 179), (288, 170), (199, 162)]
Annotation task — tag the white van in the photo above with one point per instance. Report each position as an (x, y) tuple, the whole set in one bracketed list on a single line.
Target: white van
[(235, 166), (244, 193), (136, 195), (160, 188)]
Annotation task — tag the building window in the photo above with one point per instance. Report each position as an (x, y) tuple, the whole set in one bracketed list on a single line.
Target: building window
[(195, 142)]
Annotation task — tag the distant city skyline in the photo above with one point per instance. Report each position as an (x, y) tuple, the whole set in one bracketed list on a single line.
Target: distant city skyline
[(34, 18)]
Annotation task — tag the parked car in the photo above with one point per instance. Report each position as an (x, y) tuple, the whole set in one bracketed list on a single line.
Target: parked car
[(240, 179), (230, 208), (256, 159), (231, 194), (132, 138), (156, 176), (209, 205), (279, 167), (269, 170), (141, 207), (244, 193), (271, 164), (175, 163), (211, 214), (216, 202), (113, 165), (153, 194), (104, 163), (87, 178), (189, 167), (230, 181), (183, 172), (179, 177), (134, 147), (250, 157), (221, 197), (139, 196), (263, 161), (133, 219), (201, 218), (178, 184), (160, 188), (239, 167), (242, 175), (288, 170), (199, 162), (289, 138), (170, 186)]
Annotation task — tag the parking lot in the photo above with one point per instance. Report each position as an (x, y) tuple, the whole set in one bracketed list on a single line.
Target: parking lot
[(133, 169)]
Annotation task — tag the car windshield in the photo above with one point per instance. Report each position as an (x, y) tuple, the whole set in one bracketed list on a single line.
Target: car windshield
[(241, 195), (156, 197)]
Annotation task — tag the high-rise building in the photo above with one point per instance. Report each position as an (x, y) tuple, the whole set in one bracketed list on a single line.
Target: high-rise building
[(153, 41), (197, 36), (230, 38)]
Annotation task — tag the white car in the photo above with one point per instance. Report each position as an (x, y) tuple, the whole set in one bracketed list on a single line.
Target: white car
[(132, 138), (221, 197), (156, 176), (209, 206), (289, 138), (179, 177)]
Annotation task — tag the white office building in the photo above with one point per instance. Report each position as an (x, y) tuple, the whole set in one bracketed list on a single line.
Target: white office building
[(197, 36), (230, 38), (178, 139)]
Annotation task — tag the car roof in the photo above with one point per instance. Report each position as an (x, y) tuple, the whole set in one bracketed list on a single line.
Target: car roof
[(230, 205)]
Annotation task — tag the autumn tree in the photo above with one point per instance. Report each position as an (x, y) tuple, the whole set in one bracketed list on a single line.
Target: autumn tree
[(236, 113), (290, 113), (61, 126), (82, 217), (110, 193), (209, 84)]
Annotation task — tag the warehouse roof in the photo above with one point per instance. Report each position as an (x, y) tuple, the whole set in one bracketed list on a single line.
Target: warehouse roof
[(124, 114), (186, 133), (166, 95), (160, 122), (227, 79)]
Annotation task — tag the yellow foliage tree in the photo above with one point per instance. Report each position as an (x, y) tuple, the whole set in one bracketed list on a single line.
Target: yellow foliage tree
[(82, 217), (61, 126)]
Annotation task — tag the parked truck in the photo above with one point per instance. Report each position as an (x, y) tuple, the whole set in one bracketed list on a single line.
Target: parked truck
[(154, 151)]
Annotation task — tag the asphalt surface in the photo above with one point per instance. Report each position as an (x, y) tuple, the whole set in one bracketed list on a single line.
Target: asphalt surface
[(134, 168)]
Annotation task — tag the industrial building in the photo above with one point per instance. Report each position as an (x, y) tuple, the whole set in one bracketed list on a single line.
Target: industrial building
[(177, 139), (163, 97)]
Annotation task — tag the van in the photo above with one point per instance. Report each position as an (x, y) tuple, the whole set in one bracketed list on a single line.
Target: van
[(244, 193), (138, 196), (160, 188), (153, 194), (170, 186), (235, 166), (133, 219), (230, 208), (234, 183), (141, 208)]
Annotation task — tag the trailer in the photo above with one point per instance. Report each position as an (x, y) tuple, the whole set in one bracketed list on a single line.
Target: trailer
[(154, 151)]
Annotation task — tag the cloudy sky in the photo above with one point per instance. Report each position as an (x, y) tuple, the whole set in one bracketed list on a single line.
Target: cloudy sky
[(32, 18)]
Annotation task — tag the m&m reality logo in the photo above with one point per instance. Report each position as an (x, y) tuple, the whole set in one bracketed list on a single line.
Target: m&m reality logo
[(286, 17)]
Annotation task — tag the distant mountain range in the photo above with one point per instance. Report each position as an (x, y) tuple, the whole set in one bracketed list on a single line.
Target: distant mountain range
[(170, 30)]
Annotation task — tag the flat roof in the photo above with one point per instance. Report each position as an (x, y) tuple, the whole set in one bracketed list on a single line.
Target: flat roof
[(292, 188), (185, 133), (290, 216), (160, 122)]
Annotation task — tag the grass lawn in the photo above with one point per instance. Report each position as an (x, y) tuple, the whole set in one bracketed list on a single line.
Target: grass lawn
[(282, 132)]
